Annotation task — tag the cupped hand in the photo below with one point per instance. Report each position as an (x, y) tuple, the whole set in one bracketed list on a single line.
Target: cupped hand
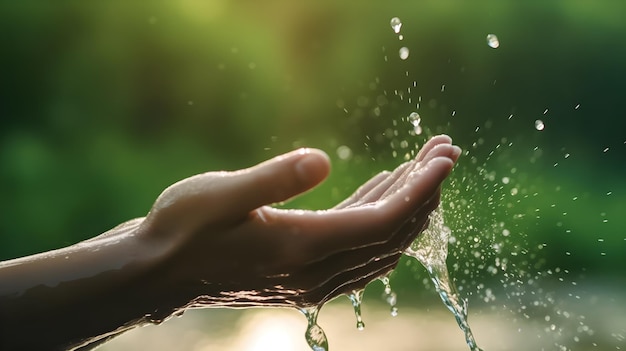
[(220, 243)]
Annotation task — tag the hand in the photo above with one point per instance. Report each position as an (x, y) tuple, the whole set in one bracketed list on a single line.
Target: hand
[(220, 244)]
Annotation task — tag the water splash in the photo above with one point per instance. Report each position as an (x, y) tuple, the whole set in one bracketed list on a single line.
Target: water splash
[(431, 250), (390, 296), (356, 298), (315, 336)]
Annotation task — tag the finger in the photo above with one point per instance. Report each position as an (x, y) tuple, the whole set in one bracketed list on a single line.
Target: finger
[(396, 176), (434, 141), (341, 230), (442, 150), (275, 180), (364, 189), (439, 148)]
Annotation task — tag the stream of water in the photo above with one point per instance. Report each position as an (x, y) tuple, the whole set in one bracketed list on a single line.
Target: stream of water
[(431, 250)]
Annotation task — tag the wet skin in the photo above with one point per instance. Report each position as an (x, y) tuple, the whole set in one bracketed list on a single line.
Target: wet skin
[(211, 240)]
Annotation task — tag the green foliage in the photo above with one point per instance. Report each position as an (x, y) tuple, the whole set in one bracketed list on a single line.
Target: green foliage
[(104, 104)]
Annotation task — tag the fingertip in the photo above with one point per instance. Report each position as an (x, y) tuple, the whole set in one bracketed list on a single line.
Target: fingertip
[(441, 163), (443, 150), (456, 152), (444, 138), (433, 142), (434, 171), (313, 166)]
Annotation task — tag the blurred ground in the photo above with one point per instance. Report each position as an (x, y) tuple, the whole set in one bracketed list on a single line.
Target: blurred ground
[(430, 329), (283, 330)]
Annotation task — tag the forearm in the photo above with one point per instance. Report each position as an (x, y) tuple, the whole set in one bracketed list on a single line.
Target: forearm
[(64, 298)]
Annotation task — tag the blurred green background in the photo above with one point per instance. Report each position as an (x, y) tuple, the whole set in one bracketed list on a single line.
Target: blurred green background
[(106, 103)]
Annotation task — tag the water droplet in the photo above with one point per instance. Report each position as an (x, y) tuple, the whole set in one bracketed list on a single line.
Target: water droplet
[(396, 24), (356, 298), (539, 125), (394, 311), (315, 336), (404, 53), (390, 296), (414, 119), (344, 152), (492, 41)]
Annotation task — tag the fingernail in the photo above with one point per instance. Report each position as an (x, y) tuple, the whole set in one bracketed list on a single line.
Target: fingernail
[(456, 151)]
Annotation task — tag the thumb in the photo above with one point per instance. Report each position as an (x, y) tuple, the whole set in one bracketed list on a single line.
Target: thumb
[(275, 180)]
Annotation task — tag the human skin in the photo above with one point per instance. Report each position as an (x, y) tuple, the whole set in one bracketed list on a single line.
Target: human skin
[(211, 240)]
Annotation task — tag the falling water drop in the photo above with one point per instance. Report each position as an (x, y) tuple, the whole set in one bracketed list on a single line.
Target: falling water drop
[(404, 52), (390, 296), (356, 298), (539, 125), (315, 336), (492, 41), (414, 119), (396, 24)]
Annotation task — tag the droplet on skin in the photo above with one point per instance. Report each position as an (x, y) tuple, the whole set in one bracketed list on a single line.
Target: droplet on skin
[(396, 24), (404, 53), (492, 41)]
